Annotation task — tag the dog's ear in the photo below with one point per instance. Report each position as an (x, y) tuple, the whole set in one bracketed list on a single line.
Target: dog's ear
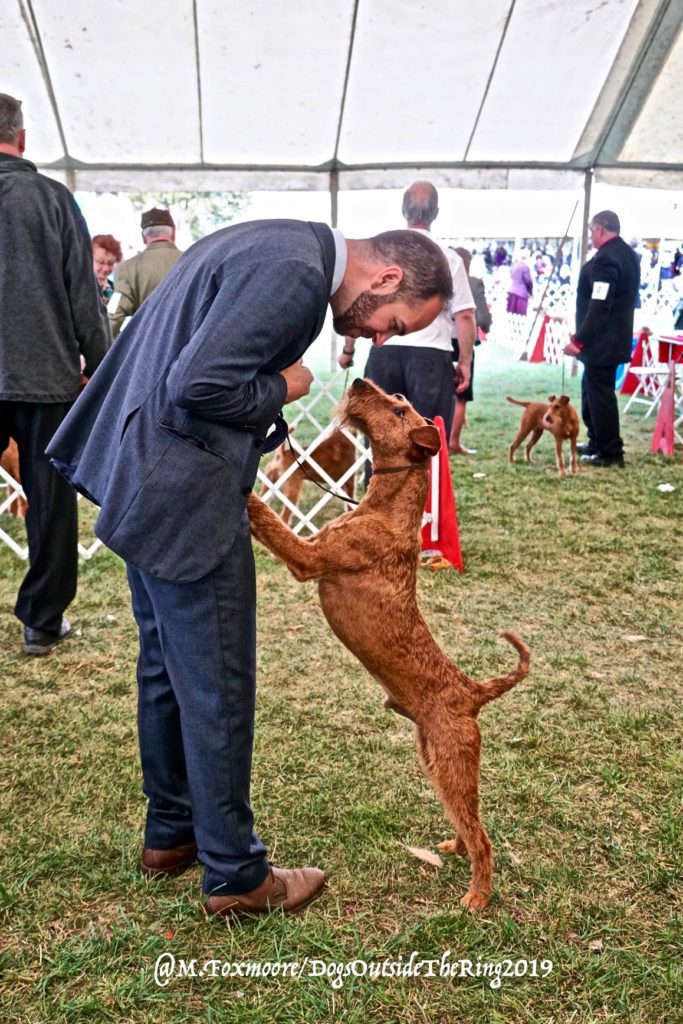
[(564, 399), (551, 398), (427, 439)]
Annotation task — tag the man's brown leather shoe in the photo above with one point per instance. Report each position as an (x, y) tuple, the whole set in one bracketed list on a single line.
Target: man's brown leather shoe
[(168, 863), (287, 889)]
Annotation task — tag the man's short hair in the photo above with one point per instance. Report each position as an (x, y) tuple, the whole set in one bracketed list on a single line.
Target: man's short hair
[(608, 220), (426, 272), (11, 118), (420, 203), (157, 231)]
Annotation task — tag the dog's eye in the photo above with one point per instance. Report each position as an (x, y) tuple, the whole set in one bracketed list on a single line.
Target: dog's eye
[(400, 413)]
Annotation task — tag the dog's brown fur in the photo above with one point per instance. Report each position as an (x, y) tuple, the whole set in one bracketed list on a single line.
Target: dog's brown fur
[(558, 416), (9, 460), (366, 563), (336, 454)]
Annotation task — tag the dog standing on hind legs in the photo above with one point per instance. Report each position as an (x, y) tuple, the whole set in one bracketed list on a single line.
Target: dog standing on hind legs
[(366, 565)]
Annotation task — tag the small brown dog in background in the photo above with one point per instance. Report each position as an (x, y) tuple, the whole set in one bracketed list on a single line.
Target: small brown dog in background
[(336, 454), (9, 460), (559, 417)]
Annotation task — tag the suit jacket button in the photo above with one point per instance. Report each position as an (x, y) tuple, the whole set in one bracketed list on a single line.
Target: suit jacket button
[(246, 491)]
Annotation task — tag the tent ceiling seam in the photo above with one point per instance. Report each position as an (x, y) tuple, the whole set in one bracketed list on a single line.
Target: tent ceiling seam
[(619, 117), (347, 74), (489, 80), (29, 19), (200, 106)]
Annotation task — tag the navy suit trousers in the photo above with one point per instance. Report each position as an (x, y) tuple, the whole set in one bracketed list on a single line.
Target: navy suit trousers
[(196, 700)]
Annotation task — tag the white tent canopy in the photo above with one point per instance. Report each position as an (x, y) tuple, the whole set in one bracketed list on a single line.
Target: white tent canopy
[(348, 94)]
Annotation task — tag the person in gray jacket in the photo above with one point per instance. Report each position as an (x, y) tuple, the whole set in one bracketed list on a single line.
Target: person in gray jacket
[(166, 439), (51, 315)]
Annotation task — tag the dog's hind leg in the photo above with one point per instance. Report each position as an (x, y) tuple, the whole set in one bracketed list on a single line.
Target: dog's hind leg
[(572, 459), (451, 759), (291, 490), (535, 438), (521, 434)]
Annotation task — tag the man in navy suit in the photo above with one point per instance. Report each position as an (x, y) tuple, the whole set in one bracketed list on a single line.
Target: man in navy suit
[(166, 439)]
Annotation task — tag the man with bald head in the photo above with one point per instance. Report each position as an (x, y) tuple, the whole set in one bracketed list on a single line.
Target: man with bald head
[(418, 364)]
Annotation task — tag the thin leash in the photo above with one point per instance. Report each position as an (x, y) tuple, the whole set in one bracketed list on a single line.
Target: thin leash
[(302, 467)]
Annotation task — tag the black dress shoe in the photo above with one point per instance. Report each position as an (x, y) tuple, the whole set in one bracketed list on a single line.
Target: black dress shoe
[(603, 461), (586, 449), (38, 641)]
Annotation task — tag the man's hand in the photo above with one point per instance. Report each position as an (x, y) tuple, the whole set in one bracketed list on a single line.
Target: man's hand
[(461, 376), (299, 379), (570, 349), (345, 358)]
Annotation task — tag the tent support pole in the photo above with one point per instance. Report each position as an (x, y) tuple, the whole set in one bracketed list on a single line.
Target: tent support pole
[(334, 213), (587, 185), (334, 197)]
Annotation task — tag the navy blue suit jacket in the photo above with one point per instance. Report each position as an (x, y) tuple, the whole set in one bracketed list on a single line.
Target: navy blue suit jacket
[(167, 435)]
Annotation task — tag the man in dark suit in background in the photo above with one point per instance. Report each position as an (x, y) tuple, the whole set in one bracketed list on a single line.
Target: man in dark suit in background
[(167, 441), (606, 297)]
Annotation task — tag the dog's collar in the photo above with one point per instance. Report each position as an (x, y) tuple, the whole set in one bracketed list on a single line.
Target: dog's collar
[(398, 469)]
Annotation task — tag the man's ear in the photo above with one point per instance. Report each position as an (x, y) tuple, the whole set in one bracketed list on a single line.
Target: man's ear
[(386, 280), (427, 439), (21, 140)]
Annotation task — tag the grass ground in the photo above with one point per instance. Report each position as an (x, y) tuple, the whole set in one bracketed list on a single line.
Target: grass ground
[(581, 778)]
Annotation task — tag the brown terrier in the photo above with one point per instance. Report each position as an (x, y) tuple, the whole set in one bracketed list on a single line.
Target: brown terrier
[(335, 455), (9, 461), (366, 563), (559, 417)]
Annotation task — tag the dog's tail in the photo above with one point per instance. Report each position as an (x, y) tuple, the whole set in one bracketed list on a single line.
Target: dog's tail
[(493, 688), (516, 401)]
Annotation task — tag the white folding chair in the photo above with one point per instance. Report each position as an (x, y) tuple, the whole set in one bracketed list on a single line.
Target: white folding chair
[(651, 377)]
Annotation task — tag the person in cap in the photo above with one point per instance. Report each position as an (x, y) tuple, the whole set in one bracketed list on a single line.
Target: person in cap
[(136, 278), (168, 443), (51, 317)]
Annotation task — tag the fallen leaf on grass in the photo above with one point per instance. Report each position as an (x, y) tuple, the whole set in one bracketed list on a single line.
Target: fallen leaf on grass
[(633, 638), (595, 946), (513, 856), (426, 855)]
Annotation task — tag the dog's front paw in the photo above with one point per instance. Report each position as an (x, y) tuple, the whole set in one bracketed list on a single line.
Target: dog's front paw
[(472, 901)]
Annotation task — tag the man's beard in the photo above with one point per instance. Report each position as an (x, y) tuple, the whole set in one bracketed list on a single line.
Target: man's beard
[(360, 309)]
